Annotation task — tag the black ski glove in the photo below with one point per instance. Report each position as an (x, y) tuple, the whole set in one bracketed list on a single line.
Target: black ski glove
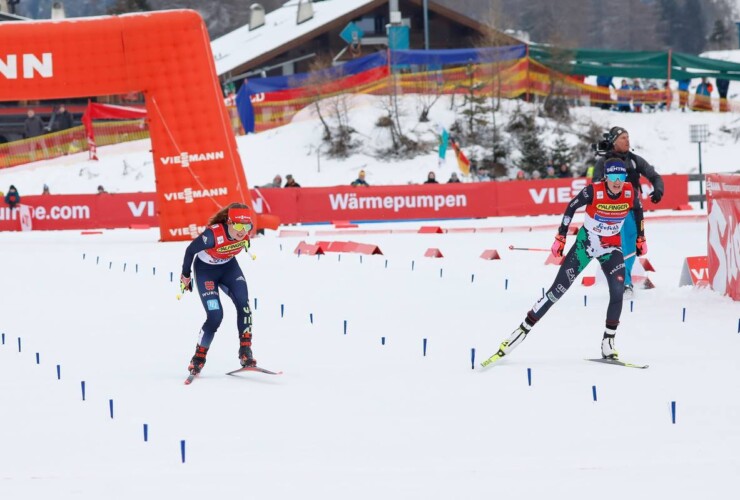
[(656, 196)]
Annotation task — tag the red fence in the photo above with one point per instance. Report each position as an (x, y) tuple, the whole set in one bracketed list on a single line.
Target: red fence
[(316, 205)]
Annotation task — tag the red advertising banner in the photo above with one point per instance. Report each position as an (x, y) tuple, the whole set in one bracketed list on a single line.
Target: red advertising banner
[(317, 205), (551, 196), (723, 235), (441, 201), (93, 211), (438, 201)]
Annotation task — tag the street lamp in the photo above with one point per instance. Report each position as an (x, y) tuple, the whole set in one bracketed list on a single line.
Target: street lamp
[(699, 134)]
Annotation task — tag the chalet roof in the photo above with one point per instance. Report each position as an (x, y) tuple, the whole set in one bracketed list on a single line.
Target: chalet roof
[(280, 29), (281, 32)]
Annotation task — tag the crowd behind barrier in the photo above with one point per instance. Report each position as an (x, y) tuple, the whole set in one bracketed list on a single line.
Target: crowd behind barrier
[(70, 141)]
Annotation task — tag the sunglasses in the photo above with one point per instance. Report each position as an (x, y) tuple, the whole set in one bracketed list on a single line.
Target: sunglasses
[(617, 177), (240, 227)]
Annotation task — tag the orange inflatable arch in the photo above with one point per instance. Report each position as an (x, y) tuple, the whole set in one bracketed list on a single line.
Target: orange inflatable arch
[(167, 56)]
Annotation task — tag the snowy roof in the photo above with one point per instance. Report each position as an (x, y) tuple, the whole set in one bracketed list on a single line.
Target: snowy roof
[(723, 55), (242, 45)]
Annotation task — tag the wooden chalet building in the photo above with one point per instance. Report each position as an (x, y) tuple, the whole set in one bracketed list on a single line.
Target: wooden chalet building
[(288, 40)]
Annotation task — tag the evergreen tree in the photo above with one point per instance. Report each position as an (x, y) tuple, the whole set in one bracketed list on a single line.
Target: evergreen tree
[(475, 107), (721, 36), (561, 153), (523, 127), (693, 38)]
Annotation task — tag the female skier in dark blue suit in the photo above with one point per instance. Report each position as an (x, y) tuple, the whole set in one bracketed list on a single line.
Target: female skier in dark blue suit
[(216, 268)]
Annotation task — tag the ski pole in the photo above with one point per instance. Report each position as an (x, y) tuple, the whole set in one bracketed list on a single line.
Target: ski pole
[(512, 247)]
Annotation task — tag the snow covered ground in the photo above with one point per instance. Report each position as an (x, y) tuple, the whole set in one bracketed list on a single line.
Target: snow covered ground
[(353, 417)]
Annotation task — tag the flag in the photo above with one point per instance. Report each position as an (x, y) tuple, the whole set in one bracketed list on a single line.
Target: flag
[(444, 139), (462, 161)]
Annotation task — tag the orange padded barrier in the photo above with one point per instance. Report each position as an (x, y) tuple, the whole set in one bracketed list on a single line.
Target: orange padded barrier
[(490, 255), (588, 280), (433, 252), (551, 259), (304, 248)]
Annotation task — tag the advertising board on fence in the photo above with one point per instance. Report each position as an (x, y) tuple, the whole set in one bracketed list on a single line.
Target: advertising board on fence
[(322, 205), (723, 238)]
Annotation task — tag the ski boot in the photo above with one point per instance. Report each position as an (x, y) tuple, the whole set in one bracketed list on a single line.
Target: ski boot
[(199, 359), (245, 350), (608, 350), (508, 345)]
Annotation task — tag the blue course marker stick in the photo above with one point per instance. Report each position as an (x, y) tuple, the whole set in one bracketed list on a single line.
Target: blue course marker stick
[(506, 284), (110, 264), (310, 317), (585, 300), (3, 335), (38, 360), (19, 344), (424, 346), (529, 377), (673, 411), (59, 372), (282, 310), (593, 391), (255, 303), (97, 260), (684, 315), (182, 450), (146, 432), (472, 278), (82, 388), (382, 340), (412, 265), (632, 305), (345, 327), (110, 406), (472, 358)]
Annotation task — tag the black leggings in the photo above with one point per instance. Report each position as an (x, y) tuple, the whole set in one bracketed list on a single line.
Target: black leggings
[(574, 263)]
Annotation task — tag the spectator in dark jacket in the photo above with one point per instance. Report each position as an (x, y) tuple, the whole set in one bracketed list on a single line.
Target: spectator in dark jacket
[(431, 178), (290, 182), (564, 171), (723, 86), (360, 181), (12, 198), (33, 126), (60, 120)]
